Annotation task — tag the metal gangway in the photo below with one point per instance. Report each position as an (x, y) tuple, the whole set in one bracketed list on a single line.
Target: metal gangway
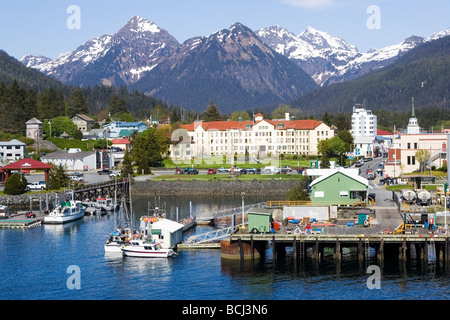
[(212, 236)]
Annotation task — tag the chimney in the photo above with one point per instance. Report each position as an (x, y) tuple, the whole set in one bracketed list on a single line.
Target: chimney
[(286, 116)]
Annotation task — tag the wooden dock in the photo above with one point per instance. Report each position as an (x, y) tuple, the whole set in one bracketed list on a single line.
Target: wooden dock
[(245, 245)]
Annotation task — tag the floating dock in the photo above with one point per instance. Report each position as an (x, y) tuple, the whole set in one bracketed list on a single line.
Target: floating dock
[(20, 223)]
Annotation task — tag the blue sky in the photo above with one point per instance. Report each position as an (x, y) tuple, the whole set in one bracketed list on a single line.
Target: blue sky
[(39, 26)]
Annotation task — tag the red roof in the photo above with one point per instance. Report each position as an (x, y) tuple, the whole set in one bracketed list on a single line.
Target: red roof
[(227, 125), (26, 164), (383, 133), (120, 141)]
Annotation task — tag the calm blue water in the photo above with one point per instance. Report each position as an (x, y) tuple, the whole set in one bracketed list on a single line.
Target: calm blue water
[(34, 265)]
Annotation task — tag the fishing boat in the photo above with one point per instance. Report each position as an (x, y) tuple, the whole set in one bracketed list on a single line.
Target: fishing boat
[(66, 211), (123, 226), (105, 204), (117, 240), (140, 248)]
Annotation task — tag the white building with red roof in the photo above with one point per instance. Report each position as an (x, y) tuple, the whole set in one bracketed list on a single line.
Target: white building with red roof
[(253, 138)]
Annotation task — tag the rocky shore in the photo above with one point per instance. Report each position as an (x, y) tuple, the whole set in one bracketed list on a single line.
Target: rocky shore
[(171, 188)]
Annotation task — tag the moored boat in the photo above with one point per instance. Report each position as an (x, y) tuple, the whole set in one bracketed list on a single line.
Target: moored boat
[(66, 211), (117, 240), (145, 249)]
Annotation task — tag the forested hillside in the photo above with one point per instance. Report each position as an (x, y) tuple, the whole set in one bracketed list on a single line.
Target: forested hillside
[(27, 93)]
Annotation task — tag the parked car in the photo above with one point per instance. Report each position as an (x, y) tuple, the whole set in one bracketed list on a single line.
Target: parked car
[(190, 171), (288, 168), (76, 178), (212, 171), (222, 169), (104, 171), (41, 185), (251, 171), (178, 171), (243, 171), (284, 170), (114, 174)]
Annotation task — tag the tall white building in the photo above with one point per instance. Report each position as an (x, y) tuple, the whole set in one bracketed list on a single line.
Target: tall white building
[(364, 122), (364, 130)]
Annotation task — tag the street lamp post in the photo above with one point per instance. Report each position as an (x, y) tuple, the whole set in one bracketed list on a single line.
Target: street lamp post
[(243, 196)]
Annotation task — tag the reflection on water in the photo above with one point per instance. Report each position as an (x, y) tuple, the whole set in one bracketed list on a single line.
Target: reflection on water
[(42, 256)]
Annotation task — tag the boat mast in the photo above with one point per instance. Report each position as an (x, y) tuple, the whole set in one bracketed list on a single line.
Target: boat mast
[(131, 203)]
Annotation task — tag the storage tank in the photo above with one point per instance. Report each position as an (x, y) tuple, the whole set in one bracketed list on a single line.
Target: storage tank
[(409, 195), (423, 197)]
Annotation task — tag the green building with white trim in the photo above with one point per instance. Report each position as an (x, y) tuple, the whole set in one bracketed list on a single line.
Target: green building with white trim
[(339, 188)]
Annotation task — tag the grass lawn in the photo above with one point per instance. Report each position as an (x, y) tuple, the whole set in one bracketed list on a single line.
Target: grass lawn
[(218, 163)]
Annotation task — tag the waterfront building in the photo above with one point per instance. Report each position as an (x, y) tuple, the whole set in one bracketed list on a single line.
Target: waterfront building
[(72, 160), (166, 233), (254, 139), (339, 188)]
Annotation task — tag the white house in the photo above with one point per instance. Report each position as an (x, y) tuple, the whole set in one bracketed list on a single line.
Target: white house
[(11, 151), (73, 160)]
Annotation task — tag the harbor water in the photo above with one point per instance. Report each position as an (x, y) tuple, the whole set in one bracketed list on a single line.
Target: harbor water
[(38, 264)]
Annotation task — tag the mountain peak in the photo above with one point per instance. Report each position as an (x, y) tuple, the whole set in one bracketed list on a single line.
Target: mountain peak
[(138, 24)]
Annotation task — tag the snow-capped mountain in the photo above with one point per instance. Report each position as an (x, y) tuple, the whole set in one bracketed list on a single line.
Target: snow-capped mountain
[(232, 67), (32, 61), (318, 53), (328, 59), (267, 66), (112, 59)]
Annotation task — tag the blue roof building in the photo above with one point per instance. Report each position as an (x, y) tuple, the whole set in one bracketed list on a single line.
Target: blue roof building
[(123, 129)]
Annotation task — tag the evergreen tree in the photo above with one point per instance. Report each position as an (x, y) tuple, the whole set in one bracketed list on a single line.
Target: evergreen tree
[(211, 113), (15, 184), (127, 166), (76, 104), (50, 104), (117, 106), (299, 192), (57, 178)]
